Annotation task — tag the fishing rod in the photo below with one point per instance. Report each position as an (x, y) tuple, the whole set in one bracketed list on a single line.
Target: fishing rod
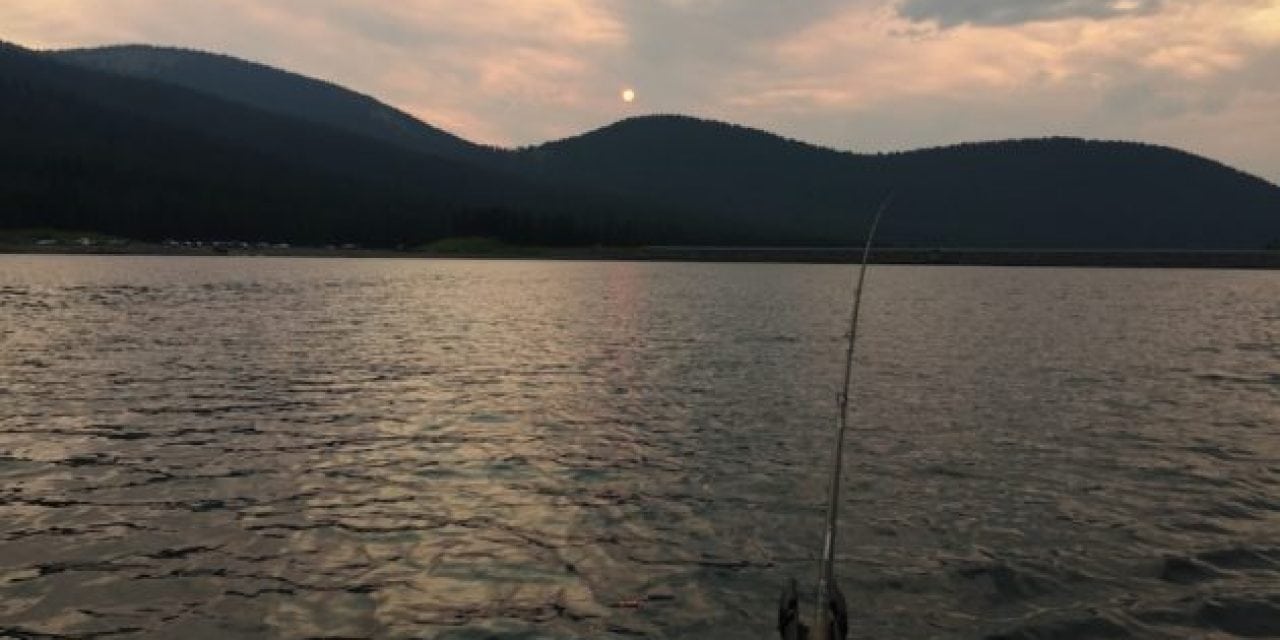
[(831, 620)]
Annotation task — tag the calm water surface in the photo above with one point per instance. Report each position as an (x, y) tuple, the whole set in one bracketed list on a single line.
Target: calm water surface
[(289, 448)]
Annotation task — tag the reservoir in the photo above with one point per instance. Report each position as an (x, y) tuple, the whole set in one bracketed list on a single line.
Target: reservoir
[(231, 447)]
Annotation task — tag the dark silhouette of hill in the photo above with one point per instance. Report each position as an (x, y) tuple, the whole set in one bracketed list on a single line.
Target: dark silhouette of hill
[(83, 149), (153, 143), (276, 91), (1056, 192)]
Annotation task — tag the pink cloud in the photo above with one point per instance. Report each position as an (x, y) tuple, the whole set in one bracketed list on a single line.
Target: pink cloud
[(508, 72)]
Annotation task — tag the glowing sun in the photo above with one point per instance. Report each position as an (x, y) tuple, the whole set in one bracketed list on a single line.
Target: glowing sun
[(628, 95)]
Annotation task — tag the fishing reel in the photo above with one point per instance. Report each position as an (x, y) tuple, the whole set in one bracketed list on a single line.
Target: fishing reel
[(836, 618)]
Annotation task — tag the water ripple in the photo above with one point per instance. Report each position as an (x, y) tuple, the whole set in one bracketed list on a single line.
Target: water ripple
[(262, 448)]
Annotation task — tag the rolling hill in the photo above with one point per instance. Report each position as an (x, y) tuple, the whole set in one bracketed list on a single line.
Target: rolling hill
[(91, 150), (1051, 193), (153, 142), (275, 91)]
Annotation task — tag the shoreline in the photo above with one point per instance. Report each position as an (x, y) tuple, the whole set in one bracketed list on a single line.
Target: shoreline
[(1208, 259)]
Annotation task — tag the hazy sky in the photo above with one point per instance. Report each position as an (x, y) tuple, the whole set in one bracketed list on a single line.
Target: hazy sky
[(864, 75)]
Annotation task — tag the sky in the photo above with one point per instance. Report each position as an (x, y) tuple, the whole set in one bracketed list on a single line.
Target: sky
[(858, 75)]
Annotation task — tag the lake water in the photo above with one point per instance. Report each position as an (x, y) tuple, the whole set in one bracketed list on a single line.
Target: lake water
[(266, 447)]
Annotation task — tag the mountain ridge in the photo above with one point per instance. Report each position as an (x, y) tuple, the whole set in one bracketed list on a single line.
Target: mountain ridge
[(273, 89), (804, 144), (673, 178), (105, 152), (108, 58), (991, 186)]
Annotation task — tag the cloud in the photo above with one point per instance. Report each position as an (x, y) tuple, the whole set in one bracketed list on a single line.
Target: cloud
[(854, 74), (950, 13), (502, 72), (1196, 75)]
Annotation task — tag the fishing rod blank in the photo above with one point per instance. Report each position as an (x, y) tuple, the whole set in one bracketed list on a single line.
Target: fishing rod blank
[(830, 600)]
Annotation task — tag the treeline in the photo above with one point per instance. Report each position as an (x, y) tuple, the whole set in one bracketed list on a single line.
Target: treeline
[(128, 154), (1049, 193), (89, 150)]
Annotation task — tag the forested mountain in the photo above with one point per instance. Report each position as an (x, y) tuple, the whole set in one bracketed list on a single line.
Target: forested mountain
[(1056, 192), (154, 143), (89, 150), (276, 91)]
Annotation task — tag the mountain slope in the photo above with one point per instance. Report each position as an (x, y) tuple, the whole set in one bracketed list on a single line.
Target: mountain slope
[(170, 142), (91, 150), (1045, 193), (276, 91)]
